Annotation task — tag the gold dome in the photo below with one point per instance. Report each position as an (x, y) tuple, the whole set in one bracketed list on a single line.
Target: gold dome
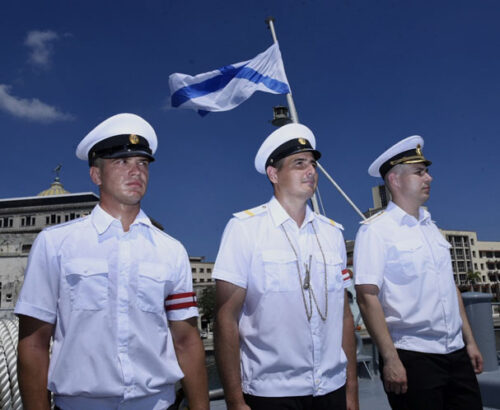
[(56, 188)]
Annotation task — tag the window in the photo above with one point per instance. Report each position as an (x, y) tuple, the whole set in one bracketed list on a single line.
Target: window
[(209, 270), (471, 241), (26, 248), (482, 266), (474, 254), (475, 266), (30, 220), (193, 270), (461, 266), (6, 222), (460, 253), (202, 270), (484, 278), (497, 254), (489, 254)]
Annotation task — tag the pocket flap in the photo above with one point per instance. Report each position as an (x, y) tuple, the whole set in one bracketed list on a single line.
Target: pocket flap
[(153, 271), (86, 266), (278, 256), (330, 258)]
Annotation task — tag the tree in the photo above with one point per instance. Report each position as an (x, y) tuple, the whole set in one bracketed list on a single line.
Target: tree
[(206, 303), (473, 277)]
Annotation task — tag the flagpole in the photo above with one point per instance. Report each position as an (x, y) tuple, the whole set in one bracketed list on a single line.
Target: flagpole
[(295, 118), (291, 105)]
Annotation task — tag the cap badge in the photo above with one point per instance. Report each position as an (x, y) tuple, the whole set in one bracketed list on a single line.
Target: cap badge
[(418, 150), (302, 141), (134, 139)]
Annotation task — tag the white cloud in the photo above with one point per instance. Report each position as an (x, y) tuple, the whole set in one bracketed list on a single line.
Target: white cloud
[(34, 109), (41, 46)]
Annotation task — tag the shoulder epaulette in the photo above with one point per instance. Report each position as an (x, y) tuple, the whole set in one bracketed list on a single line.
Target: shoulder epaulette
[(371, 218), (250, 212), (330, 221)]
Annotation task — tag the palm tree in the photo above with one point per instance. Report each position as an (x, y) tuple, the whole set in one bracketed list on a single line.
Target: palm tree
[(473, 277)]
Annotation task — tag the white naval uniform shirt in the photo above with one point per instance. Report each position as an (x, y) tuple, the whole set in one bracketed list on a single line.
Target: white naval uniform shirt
[(105, 290), (282, 353), (410, 262)]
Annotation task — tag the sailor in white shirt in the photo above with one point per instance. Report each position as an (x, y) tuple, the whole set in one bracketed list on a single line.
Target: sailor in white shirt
[(113, 291), (407, 295), (283, 324)]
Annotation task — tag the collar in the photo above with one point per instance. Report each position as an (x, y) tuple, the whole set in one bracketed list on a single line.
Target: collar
[(279, 215), (403, 218), (102, 220)]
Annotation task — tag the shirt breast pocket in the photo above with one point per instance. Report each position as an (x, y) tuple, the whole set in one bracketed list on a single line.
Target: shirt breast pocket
[(87, 279), (280, 270), (152, 287), (333, 265), (402, 266)]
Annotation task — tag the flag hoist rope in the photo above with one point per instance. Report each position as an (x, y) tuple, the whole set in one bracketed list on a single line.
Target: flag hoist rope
[(294, 117)]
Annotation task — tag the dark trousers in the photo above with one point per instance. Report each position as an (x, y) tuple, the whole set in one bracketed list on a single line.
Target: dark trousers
[(437, 382), (331, 401)]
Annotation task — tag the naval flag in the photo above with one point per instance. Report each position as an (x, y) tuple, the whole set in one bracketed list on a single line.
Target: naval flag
[(227, 87)]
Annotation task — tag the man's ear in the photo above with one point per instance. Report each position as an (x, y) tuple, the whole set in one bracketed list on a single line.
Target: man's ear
[(95, 175), (272, 174), (393, 179)]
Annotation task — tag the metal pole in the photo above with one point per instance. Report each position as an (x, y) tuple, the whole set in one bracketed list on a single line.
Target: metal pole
[(295, 118), (289, 99), (341, 191)]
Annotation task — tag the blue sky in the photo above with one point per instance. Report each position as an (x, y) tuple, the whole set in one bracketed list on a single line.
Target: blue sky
[(364, 74)]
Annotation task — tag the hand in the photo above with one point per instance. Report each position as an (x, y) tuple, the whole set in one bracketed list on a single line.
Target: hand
[(395, 376), (352, 397), (475, 357)]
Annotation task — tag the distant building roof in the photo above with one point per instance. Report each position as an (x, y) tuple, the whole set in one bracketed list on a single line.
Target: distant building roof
[(56, 188)]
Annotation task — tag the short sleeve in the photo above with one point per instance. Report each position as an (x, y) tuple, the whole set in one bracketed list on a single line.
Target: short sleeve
[(369, 257), (181, 304), (39, 294), (234, 257)]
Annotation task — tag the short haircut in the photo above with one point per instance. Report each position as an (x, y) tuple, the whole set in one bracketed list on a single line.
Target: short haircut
[(396, 169)]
